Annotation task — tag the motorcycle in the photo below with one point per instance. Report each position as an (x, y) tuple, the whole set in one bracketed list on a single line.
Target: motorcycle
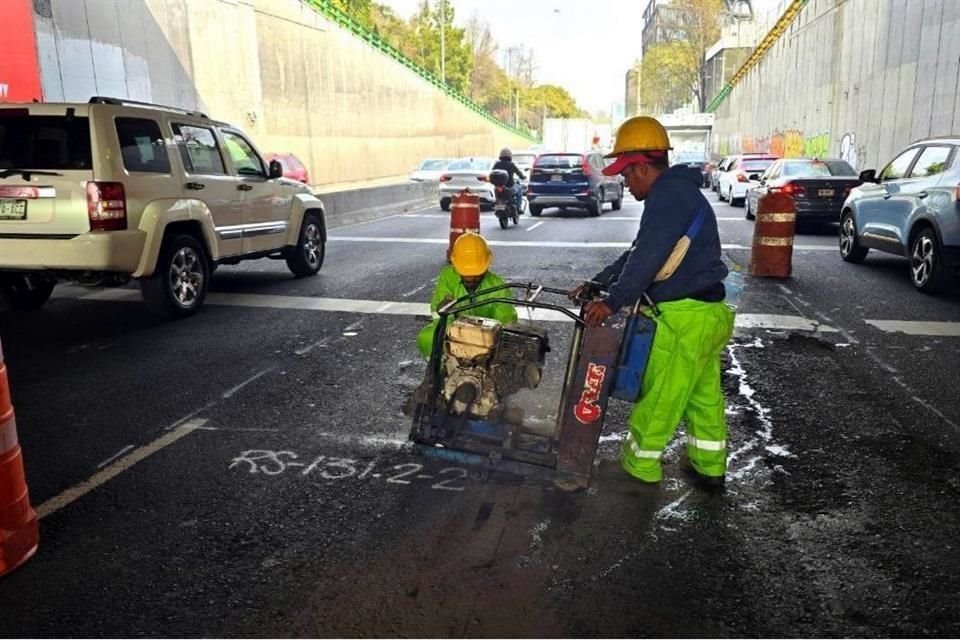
[(505, 206)]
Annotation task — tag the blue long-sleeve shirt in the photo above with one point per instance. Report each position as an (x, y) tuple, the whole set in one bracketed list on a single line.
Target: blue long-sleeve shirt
[(669, 208)]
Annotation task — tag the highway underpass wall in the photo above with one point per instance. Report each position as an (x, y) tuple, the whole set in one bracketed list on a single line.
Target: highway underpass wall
[(291, 78), (857, 79)]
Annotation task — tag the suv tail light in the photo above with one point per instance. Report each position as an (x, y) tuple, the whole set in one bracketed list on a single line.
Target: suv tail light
[(106, 206), (586, 167), (742, 177), (446, 178)]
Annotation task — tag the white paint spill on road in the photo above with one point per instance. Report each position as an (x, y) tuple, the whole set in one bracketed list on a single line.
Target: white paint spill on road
[(302, 351), (123, 464), (413, 291), (674, 510), (779, 322), (536, 534), (535, 226)]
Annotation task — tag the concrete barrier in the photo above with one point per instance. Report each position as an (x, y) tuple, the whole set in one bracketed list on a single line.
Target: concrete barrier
[(360, 205)]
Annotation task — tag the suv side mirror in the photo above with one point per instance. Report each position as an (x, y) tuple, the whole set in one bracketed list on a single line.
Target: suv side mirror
[(870, 175), (276, 169)]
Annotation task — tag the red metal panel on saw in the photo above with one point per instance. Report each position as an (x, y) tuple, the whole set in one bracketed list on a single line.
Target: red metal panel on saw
[(586, 405), (19, 69)]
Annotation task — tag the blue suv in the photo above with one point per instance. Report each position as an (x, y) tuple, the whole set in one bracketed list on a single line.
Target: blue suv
[(911, 209), (572, 180)]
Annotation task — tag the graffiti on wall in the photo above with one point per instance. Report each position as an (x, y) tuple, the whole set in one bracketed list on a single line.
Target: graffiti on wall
[(850, 151), (795, 143)]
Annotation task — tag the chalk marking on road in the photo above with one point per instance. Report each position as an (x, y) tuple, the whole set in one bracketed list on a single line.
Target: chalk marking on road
[(230, 392), (535, 226), (123, 464), (359, 323), (302, 351), (546, 244), (917, 327), (114, 456), (413, 291)]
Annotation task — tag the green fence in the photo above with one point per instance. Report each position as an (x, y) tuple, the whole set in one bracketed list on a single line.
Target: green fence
[(374, 40)]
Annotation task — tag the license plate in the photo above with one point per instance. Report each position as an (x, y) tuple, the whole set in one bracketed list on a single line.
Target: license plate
[(825, 193), (499, 206), (13, 209), (556, 178)]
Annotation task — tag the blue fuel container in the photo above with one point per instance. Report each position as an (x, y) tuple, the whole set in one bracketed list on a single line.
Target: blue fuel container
[(632, 360)]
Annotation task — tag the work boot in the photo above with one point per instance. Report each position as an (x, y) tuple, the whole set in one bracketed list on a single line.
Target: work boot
[(710, 483)]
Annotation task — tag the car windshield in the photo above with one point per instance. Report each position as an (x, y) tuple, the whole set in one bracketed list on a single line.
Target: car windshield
[(471, 164), (523, 159), (756, 165), (434, 165), (44, 142), (558, 161)]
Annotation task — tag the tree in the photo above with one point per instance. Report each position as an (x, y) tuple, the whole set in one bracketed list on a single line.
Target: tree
[(669, 76), (698, 22), (359, 10), (441, 47)]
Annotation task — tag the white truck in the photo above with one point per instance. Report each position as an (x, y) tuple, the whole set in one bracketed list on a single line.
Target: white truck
[(575, 135)]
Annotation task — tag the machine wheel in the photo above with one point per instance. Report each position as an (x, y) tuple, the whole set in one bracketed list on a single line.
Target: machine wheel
[(445, 204), (179, 282), (504, 222), (926, 264), (850, 249), (618, 203), (535, 210), (24, 292), (307, 257)]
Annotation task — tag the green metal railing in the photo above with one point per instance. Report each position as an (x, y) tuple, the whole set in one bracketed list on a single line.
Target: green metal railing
[(778, 29), (347, 21)]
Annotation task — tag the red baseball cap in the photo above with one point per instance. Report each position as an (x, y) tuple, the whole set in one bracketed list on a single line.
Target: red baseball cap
[(627, 159)]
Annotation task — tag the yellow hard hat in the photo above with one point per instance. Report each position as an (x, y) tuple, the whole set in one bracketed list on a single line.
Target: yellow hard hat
[(471, 256), (640, 133)]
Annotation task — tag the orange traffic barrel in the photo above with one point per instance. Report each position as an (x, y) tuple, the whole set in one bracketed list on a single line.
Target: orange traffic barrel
[(18, 520), (464, 215), (773, 232)]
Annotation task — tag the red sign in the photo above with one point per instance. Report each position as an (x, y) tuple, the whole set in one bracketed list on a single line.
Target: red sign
[(19, 69), (587, 410)]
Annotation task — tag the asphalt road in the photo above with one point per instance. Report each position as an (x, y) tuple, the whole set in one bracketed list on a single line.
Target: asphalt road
[(245, 473)]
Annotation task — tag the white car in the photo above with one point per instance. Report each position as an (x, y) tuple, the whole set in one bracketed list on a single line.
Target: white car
[(467, 173), (524, 161), (741, 174), (430, 170)]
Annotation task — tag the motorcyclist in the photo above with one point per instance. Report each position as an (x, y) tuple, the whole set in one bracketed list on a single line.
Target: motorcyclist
[(505, 163)]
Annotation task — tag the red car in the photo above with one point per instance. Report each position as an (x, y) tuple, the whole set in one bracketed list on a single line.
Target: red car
[(292, 167)]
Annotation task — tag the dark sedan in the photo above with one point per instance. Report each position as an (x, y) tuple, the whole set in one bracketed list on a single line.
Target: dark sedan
[(818, 187)]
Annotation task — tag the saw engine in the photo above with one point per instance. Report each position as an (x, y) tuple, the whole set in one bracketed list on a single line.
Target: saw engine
[(485, 362)]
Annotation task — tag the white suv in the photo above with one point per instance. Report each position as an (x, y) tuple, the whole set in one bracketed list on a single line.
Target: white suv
[(103, 192), (740, 174)]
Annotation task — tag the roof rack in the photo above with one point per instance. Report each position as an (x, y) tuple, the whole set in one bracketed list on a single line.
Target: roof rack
[(125, 101)]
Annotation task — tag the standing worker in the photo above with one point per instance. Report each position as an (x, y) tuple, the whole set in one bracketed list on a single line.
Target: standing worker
[(693, 326), (505, 163)]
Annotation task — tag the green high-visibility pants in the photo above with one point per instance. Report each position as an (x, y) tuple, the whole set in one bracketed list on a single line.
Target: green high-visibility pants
[(682, 380)]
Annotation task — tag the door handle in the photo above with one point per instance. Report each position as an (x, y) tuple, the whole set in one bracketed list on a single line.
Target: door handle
[(243, 186), (922, 194), (196, 186), (887, 195)]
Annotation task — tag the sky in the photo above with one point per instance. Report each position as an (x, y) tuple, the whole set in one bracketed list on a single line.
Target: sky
[(583, 46)]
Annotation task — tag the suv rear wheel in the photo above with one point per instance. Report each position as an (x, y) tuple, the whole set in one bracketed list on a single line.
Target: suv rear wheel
[(926, 266), (307, 257), (24, 292), (179, 282), (595, 208)]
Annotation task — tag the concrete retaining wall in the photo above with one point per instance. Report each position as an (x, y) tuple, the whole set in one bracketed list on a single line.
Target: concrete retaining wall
[(857, 79), (290, 78), (359, 205)]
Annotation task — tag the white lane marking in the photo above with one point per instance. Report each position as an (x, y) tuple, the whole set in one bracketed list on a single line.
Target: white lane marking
[(535, 226), (114, 456), (230, 392), (137, 455), (917, 328), (781, 322), (547, 243)]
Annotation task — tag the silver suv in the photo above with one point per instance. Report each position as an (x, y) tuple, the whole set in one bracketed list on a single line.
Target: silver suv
[(103, 192)]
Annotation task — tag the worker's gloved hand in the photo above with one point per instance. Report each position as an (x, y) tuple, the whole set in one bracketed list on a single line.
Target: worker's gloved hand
[(596, 312), (574, 293)]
